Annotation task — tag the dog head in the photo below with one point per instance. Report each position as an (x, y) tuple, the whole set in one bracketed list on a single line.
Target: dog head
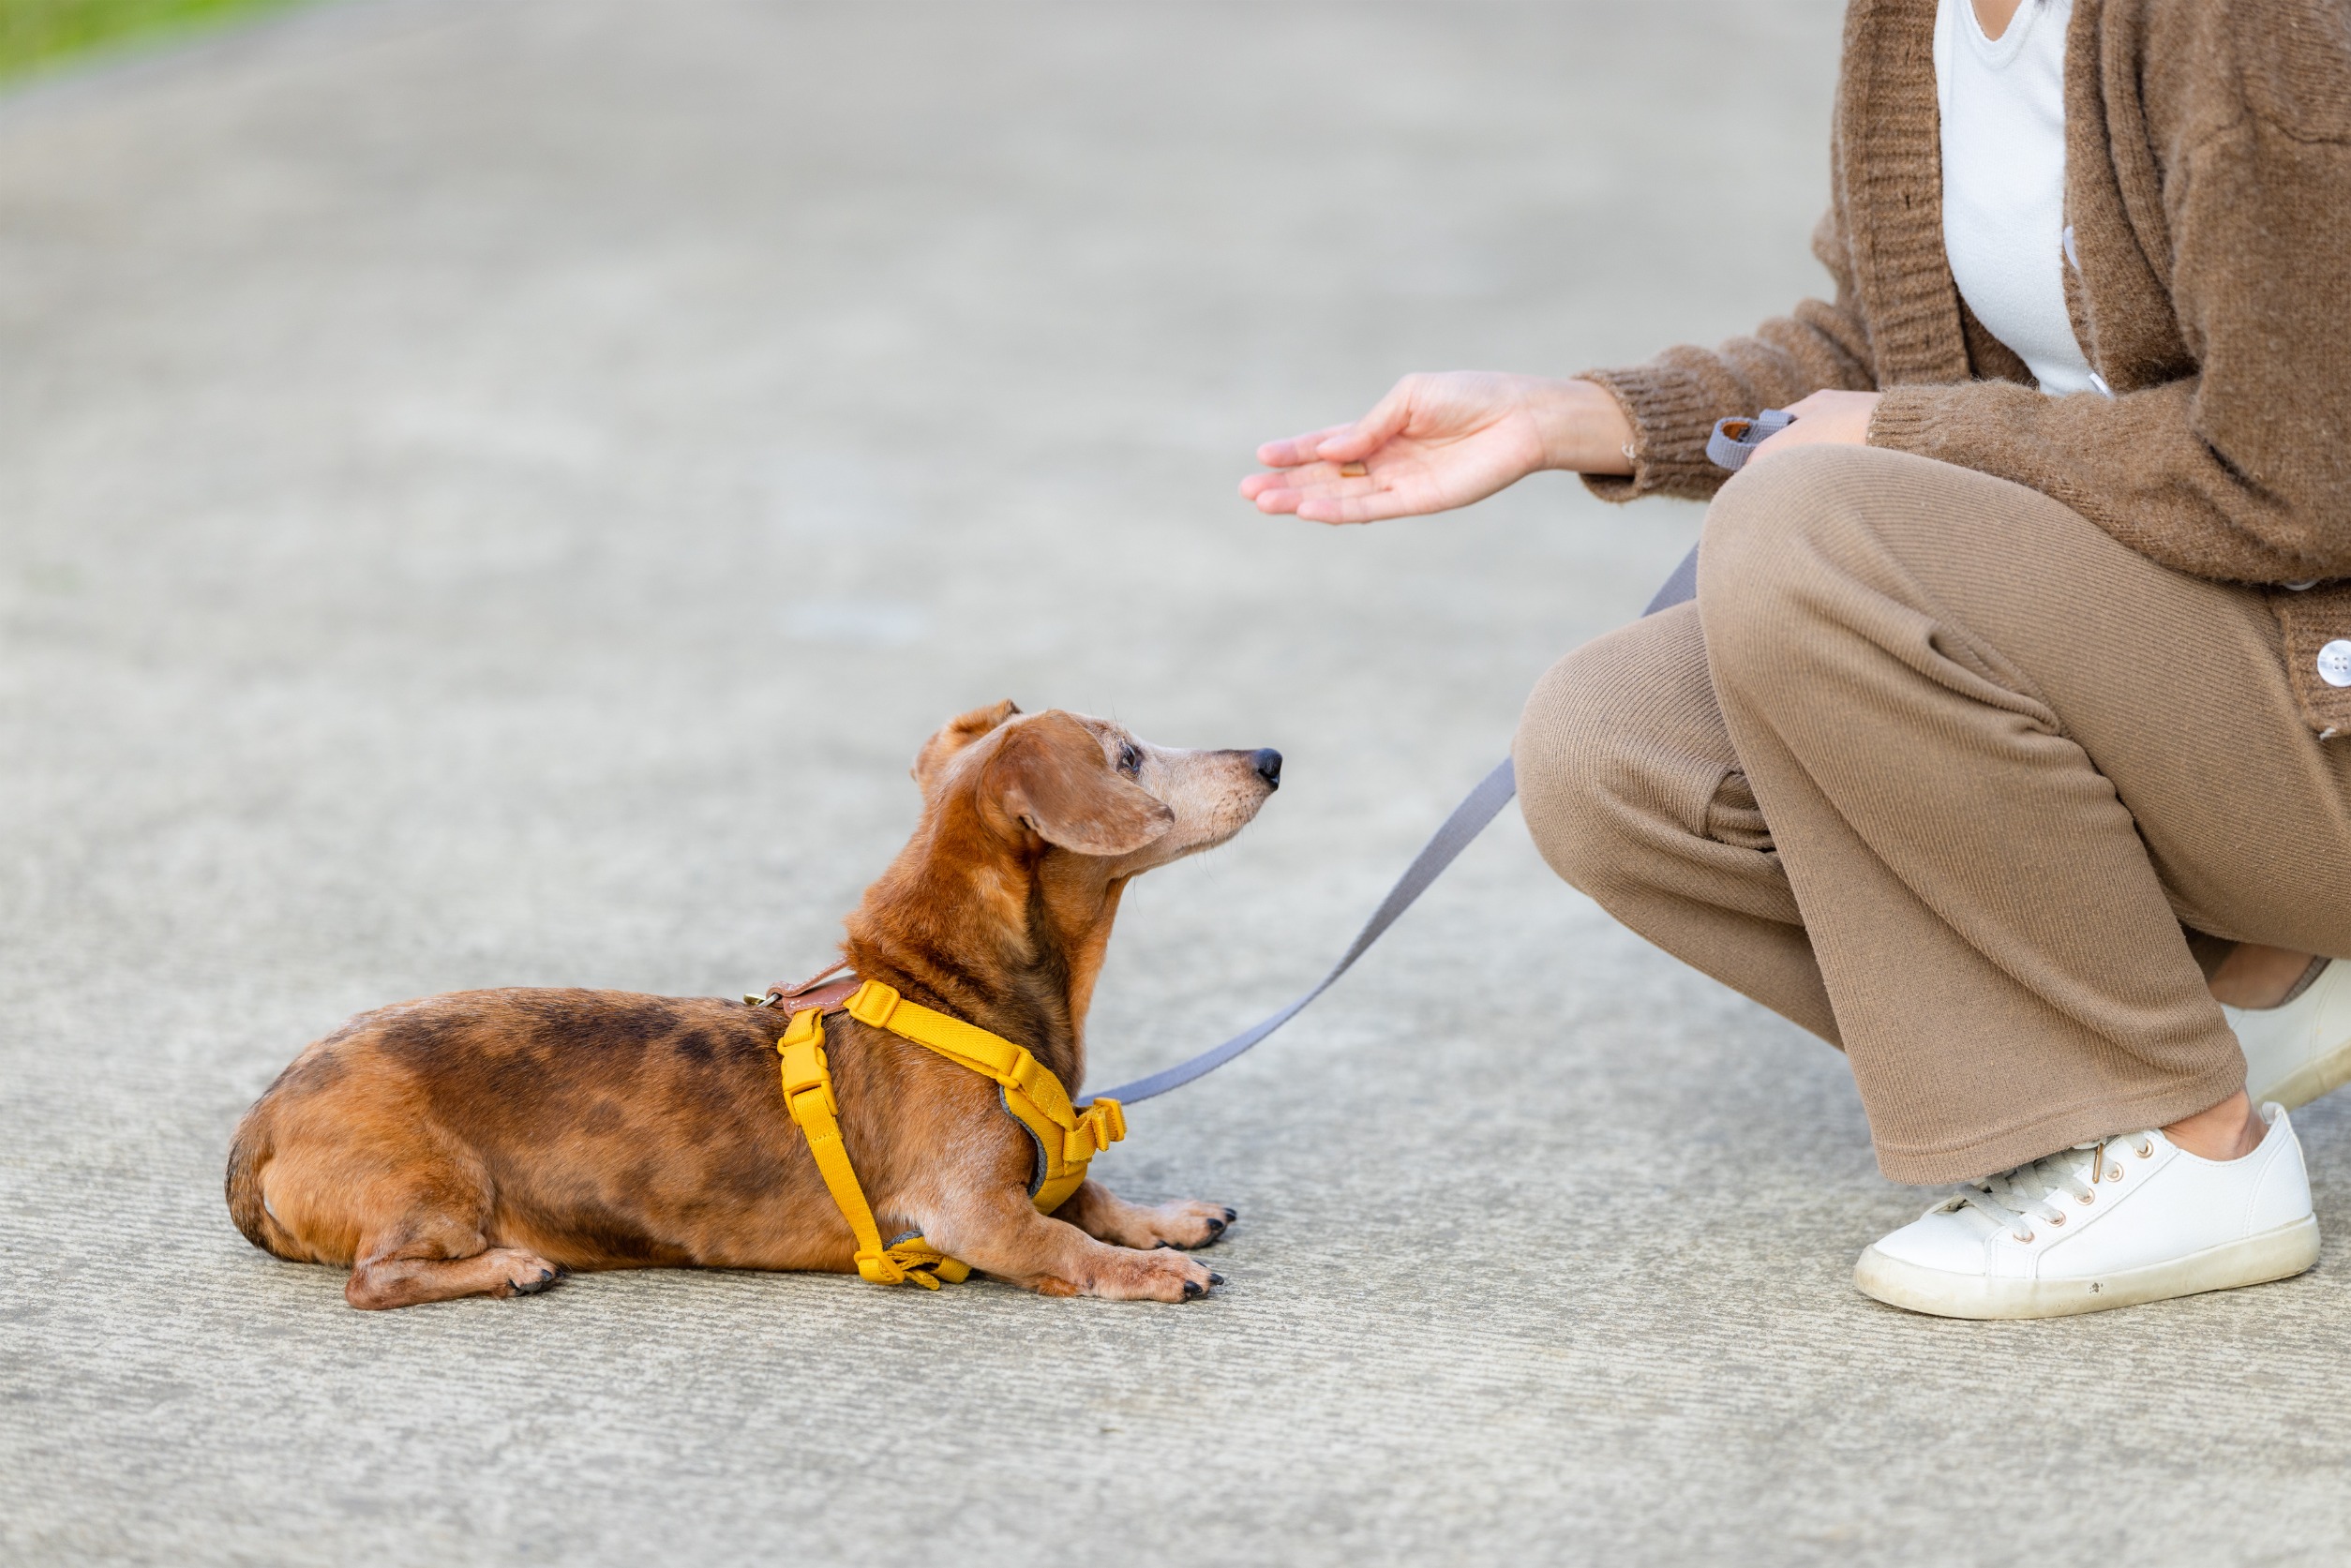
[(999, 907), (1063, 783)]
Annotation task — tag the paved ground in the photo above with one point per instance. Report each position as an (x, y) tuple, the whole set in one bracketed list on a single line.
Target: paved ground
[(450, 453)]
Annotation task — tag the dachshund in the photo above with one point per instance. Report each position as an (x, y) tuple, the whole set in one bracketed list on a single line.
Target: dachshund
[(488, 1142)]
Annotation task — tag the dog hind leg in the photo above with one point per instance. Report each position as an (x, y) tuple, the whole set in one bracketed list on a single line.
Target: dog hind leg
[(399, 1279), (1102, 1214), (430, 1253)]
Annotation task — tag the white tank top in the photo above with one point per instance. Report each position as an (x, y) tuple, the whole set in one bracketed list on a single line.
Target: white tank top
[(2003, 150)]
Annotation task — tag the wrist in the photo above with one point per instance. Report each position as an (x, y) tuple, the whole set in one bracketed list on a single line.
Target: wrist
[(1583, 429)]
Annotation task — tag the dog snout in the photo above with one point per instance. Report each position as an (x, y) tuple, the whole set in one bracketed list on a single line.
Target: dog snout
[(1269, 765)]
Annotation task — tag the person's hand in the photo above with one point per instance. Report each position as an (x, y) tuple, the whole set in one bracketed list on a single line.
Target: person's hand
[(1438, 441), (1824, 418)]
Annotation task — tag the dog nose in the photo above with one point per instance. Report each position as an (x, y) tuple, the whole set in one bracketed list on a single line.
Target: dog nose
[(1269, 763)]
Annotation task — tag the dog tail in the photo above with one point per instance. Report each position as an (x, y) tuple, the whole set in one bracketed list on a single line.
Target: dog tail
[(248, 1155)]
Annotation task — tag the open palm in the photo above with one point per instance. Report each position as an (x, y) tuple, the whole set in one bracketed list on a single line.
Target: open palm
[(1434, 442)]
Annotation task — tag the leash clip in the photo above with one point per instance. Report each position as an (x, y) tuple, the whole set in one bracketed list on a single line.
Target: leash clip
[(1101, 1125)]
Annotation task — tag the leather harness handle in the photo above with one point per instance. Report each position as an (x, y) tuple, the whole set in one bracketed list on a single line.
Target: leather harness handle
[(828, 997)]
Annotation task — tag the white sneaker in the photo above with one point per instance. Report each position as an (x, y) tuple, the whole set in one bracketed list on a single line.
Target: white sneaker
[(2297, 1052), (2133, 1219)]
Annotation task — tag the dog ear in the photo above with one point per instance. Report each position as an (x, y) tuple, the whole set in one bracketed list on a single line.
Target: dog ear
[(1050, 777), (955, 735)]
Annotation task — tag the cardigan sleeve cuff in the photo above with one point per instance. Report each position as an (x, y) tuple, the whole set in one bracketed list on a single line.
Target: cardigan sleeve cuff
[(1906, 418), (1672, 416)]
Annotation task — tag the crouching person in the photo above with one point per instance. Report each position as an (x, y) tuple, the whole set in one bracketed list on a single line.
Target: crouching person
[(1998, 746)]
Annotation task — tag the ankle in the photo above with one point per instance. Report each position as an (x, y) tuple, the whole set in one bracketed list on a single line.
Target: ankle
[(2229, 1130)]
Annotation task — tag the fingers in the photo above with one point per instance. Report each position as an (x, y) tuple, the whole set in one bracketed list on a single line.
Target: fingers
[(1823, 418), (1311, 477), (1256, 485), (1321, 494), (1831, 400), (1354, 442), (1298, 449), (1372, 507), (1345, 443), (1285, 488)]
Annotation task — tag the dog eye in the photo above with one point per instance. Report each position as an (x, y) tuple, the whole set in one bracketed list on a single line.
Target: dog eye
[(1130, 760)]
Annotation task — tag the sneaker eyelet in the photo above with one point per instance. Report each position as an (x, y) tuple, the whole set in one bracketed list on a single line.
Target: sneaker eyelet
[(2057, 1219), (2145, 1151), (2086, 1198), (2025, 1240)]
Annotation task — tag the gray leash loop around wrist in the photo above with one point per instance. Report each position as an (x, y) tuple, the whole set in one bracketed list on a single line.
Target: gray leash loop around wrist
[(1735, 438), (1482, 805)]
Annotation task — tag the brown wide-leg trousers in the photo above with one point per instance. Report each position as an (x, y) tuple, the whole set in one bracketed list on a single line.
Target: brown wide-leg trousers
[(1936, 770)]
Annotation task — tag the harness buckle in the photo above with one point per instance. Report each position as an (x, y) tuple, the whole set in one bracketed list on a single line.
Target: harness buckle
[(805, 1068)]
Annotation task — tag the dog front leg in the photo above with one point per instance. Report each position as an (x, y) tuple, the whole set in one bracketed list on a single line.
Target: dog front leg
[(1002, 1234), (1102, 1214)]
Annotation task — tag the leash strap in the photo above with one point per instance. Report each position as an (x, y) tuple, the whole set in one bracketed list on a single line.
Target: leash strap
[(1735, 438), (1469, 819)]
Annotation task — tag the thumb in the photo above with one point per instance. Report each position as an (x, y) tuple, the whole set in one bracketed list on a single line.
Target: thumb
[(1366, 435)]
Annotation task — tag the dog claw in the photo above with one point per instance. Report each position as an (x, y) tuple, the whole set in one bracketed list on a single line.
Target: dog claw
[(1231, 1214), (1194, 1290), (1215, 1278), (1215, 1229)]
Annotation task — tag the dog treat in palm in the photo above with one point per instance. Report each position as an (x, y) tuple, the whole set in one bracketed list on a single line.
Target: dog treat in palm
[(1353, 470)]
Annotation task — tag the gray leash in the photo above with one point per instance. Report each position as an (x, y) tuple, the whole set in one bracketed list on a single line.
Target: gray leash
[(1735, 438), (1468, 820)]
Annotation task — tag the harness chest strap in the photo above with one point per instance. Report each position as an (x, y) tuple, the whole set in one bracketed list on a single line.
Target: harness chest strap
[(1066, 1139)]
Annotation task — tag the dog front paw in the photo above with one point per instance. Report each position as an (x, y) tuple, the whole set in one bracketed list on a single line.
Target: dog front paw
[(1188, 1222), (1157, 1275)]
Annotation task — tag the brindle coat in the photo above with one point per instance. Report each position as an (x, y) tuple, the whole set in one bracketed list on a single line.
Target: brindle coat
[(486, 1142)]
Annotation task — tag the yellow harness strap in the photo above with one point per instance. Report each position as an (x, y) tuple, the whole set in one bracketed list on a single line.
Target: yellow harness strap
[(1066, 1138)]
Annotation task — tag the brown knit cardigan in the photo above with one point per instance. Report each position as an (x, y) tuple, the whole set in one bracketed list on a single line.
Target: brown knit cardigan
[(2208, 187)]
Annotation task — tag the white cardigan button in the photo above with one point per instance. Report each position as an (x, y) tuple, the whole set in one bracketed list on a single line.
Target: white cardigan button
[(2335, 663)]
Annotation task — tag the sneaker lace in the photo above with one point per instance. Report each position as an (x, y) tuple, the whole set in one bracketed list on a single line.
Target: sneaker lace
[(2014, 1198)]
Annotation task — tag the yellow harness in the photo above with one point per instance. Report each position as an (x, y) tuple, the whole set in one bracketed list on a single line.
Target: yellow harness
[(1066, 1139)]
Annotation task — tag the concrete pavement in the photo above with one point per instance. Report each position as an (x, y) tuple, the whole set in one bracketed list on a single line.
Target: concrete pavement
[(496, 493)]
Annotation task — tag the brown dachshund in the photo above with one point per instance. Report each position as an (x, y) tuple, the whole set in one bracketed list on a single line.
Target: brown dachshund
[(484, 1143)]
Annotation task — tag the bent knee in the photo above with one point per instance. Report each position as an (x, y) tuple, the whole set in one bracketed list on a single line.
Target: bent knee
[(1599, 743), (1778, 535)]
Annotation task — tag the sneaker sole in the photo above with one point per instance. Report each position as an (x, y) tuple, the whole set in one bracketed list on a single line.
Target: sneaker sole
[(2278, 1254), (2320, 1076)]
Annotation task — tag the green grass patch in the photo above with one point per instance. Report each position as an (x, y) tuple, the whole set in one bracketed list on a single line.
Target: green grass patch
[(36, 33)]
